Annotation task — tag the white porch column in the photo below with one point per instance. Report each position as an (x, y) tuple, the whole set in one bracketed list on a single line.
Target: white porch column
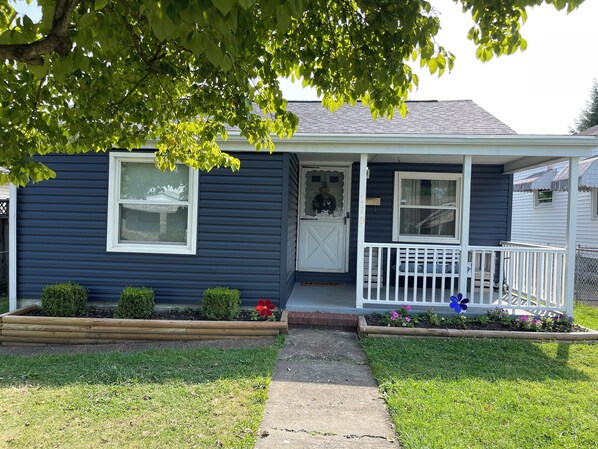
[(464, 231), (363, 175), (12, 248), (571, 233)]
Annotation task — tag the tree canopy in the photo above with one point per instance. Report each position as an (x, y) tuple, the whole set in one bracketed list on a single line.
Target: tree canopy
[(94, 75), (589, 116)]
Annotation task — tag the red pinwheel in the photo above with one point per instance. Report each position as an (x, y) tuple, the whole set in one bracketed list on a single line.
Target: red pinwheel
[(264, 307)]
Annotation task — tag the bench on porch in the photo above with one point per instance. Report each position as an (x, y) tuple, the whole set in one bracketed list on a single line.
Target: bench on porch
[(414, 267)]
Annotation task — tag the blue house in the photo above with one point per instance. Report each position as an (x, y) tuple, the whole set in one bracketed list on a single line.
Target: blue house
[(350, 213)]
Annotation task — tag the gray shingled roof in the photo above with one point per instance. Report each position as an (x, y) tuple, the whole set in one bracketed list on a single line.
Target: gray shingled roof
[(456, 117), (593, 131)]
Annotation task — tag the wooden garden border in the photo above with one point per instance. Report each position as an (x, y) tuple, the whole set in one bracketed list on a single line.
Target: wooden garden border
[(365, 330), (16, 328)]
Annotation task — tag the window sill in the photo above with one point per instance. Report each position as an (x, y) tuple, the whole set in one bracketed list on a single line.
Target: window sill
[(151, 249), (433, 240)]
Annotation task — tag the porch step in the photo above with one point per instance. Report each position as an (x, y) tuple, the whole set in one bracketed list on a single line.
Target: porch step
[(340, 321)]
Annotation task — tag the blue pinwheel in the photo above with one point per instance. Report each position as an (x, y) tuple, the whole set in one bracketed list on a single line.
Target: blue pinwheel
[(459, 303)]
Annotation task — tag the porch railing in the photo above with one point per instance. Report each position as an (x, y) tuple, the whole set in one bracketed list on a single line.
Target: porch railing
[(512, 276)]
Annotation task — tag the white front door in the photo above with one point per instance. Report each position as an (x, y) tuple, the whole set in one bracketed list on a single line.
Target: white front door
[(323, 219)]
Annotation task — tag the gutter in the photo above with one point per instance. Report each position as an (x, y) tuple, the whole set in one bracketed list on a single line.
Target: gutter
[(12, 248)]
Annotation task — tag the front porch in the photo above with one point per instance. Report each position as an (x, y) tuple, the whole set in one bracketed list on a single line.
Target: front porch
[(523, 279), (457, 244)]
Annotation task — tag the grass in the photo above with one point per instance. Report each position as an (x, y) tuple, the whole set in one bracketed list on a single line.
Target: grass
[(488, 393), (586, 316), (173, 398), (3, 304)]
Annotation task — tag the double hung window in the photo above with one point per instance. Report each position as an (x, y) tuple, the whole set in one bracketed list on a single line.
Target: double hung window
[(150, 211), (427, 207)]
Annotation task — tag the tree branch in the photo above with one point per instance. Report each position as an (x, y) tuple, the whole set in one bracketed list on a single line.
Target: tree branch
[(57, 39)]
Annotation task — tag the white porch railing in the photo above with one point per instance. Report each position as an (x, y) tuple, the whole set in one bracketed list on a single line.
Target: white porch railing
[(513, 276)]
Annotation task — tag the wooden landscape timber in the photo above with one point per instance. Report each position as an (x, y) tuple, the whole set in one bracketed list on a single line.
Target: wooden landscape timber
[(18, 328), (365, 330)]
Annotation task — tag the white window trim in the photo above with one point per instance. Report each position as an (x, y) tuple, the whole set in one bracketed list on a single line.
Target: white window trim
[(112, 243), (594, 199), (538, 204), (399, 175)]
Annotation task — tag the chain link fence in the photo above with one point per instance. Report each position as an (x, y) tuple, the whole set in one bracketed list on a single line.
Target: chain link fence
[(586, 275)]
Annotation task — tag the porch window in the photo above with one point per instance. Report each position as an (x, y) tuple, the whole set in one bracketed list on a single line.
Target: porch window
[(427, 207), (150, 211), (542, 198)]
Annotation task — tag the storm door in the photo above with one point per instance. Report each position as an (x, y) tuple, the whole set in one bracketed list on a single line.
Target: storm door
[(323, 219)]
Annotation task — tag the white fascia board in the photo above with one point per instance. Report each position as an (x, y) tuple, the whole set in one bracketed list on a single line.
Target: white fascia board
[(509, 145), (551, 146)]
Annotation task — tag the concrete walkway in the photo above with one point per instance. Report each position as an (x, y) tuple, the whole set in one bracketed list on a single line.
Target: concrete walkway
[(323, 395)]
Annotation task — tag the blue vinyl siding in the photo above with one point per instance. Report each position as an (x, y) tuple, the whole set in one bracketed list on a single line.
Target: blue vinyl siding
[(490, 209), (62, 234), (293, 208)]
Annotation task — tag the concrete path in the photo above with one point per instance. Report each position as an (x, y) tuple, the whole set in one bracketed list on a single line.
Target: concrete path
[(323, 395)]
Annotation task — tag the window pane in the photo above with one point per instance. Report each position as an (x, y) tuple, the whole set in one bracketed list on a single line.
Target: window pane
[(324, 193), (544, 196), (153, 223), (428, 192), (440, 222), (143, 181)]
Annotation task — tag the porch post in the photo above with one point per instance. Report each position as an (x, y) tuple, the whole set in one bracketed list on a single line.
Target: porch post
[(363, 174), (571, 233), (12, 248), (464, 231)]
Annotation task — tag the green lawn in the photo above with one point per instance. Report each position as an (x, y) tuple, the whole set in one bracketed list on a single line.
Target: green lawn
[(488, 393), (586, 315), (173, 398)]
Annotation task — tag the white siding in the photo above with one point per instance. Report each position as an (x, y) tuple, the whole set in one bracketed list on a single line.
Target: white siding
[(4, 191), (546, 225)]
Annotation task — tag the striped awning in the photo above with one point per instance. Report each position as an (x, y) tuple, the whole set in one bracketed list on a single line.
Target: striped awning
[(588, 176), (537, 181)]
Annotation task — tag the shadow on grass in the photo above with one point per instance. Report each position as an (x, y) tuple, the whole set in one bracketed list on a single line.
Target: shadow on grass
[(152, 366), (477, 359)]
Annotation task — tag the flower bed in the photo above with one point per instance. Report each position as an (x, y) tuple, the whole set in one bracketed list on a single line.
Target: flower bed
[(495, 324), (27, 325)]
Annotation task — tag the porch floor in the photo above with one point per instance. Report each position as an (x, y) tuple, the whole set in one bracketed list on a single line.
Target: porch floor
[(341, 299)]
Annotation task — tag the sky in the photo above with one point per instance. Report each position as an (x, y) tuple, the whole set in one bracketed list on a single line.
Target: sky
[(539, 91)]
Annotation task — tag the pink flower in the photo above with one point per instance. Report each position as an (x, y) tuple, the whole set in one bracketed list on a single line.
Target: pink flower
[(407, 307), (393, 315), (523, 318), (407, 319)]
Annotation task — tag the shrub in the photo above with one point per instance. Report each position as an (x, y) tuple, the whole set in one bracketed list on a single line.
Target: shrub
[(135, 303), (64, 299), (221, 303)]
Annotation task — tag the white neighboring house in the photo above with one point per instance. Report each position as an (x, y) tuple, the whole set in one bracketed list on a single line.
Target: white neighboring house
[(540, 203)]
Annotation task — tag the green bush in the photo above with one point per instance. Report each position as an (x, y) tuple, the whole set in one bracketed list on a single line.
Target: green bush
[(221, 303), (64, 299), (135, 303)]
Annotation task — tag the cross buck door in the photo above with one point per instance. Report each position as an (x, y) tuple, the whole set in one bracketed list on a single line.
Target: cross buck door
[(323, 219)]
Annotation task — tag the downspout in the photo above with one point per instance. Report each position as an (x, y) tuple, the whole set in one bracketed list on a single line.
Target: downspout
[(12, 248)]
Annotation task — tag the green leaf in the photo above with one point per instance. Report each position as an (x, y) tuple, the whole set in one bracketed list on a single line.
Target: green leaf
[(283, 18), (224, 6), (100, 4)]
